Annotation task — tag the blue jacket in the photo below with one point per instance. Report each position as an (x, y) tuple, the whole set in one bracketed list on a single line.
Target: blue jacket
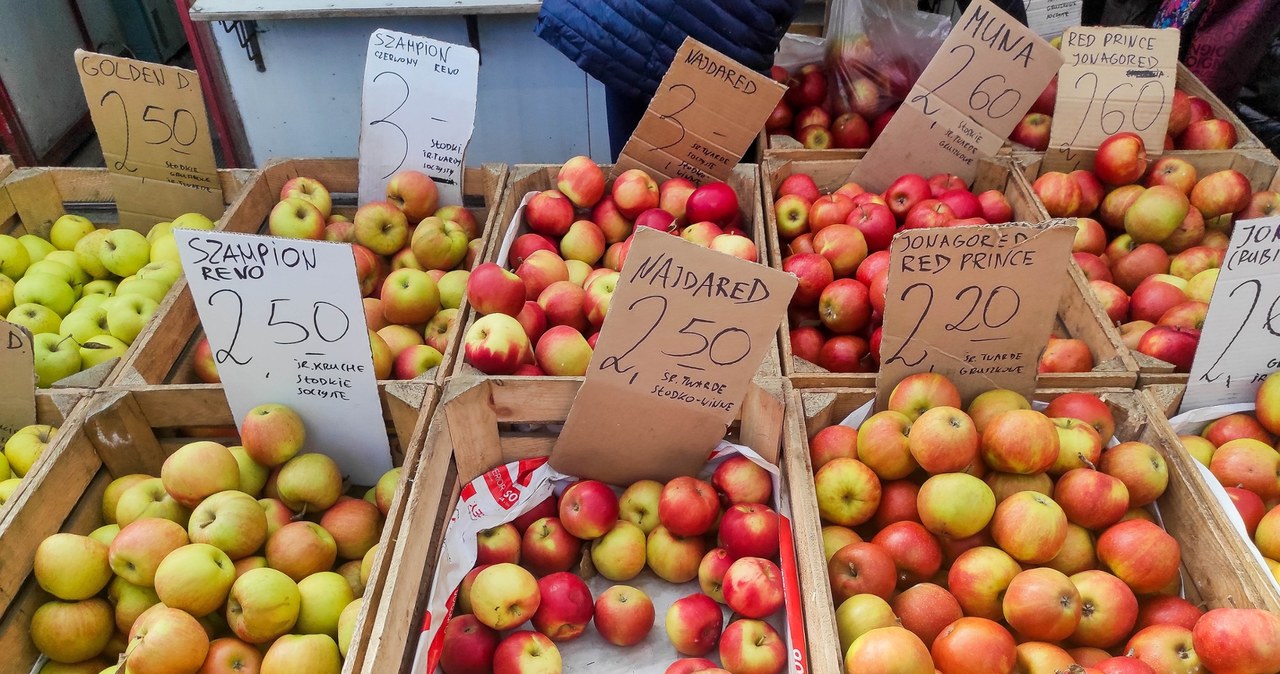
[(629, 44)]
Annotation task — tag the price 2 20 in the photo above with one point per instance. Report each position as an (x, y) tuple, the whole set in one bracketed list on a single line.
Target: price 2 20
[(703, 343), (1270, 326), (999, 306), (176, 128), (328, 323)]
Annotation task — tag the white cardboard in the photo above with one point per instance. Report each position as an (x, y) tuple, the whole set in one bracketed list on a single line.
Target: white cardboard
[(417, 111), (286, 324), (1240, 342), (1048, 18)]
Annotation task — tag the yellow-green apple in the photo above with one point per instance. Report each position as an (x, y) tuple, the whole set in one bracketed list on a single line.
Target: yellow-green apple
[(942, 440), (1020, 441), (711, 572), (915, 552), (562, 351), (990, 404), (1199, 448), (860, 614), (494, 290), (1165, 648), (584, 241), (409, 296), (307, 189), (453, 288), (127, 315), (414, 193), (231, 521), (130, 602), (71, 567), (1030, 526), (634, 192), (973, 644), (1079, 445), (86, 251), (36, 247), (468, 646), (68, 229), (752, 587), (888, 649), (141, 546), (263, 605), (148, 499), (578, 272), (441, 329), (1042, 604), (924, 609), (46, 290), (673, 558), (1059, 193), (355, 525), (1238, 640), (752, 646), (550, 213), (833, 442), (166, 639), (8, 488), (385, 489), (56, 357), (639, 504), (300, 548), (546, 547), (198, 470), (36, 318), (860, 568), (791, 213), (383, 228), (147, 287), (316, 653), (323, 596), (504, 596), (350, 571), (848, 492), (195, 578), (1109, 609), (1077, 553), (296, 218), (1141, 554), (624, 615), (230, 655), (309, 482), (736, 245), (1156, 214), (272, 434), (688, 506), (1090, 498), (414, 360), (439, 244), (497, 344), (1142, 469), (956, 505), (599, 297), (619, 554), (1121, 159), (14, 258), (694, 624), (566, 607), (113, 492), (920, 392), (70, 632), (498, 544), (166, 272)]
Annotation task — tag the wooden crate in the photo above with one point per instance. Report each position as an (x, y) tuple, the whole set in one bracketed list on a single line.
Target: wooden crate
[(32, 199), (525, 178), (162, 353), (121, 432), (1216, 570), (1259, 166), (482, 423), (1078, 316), (783, 147)]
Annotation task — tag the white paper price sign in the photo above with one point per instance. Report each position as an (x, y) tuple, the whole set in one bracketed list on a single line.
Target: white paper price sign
[(286, 325), (1240, 343), (1049, 18), (417, 111), (17, 380)]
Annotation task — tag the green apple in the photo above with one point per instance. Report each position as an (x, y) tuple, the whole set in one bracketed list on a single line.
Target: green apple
[(453, 286), (165, 249), (71, 567), (89, 302), (56, 357), (36, 318), (105, 534), (36, 247), (158, 230), (151, 288), (14, 258), (69, 229), (86, 251), (263, 605), (105, 287), (5, 471), (193, 221), (79, 276), (72, 631), (112, 494), (127, 315), (140, 546), (46, 290), (24, 447), (231, 521), (347, 624), (98, 350), (124, 252), (253, 477), (148, 499), (83, 324), (195, 578), (6, 295), (165, 271), (324, 595), (8, 487), (130, 601), (53, 268)]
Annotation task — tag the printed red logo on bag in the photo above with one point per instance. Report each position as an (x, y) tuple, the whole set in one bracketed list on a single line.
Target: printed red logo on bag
[(502, 488)]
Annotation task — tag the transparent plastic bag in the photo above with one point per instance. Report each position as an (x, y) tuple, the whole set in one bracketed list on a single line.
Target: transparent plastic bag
[(876, 50)]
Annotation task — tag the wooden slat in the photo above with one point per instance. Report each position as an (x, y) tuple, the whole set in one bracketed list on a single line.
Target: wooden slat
[(6, 166)]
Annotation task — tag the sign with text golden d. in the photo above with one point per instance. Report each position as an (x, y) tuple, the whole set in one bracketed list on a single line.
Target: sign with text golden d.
[(154, 131), (706, 113), (286, 325), (17, 380), (976, 304), (686, 331)]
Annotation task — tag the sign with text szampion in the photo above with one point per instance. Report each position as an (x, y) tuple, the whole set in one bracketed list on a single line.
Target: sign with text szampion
[(155, 137), (17, 380), (286, 325), (1114, 79), (1240, 342), (686, 331), (973, 303), (417, 111), (706, 113)]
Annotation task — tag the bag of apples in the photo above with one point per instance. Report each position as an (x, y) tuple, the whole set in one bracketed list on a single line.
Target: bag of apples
[(531, 556)]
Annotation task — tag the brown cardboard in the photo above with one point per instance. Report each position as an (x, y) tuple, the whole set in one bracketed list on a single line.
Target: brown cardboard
[(990, 69), (707, 112), (654, 403), (1115, 79), (975, 304), (17, 380), (155, 137)]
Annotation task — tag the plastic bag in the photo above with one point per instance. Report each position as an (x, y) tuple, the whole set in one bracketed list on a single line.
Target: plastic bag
[(876, 50)]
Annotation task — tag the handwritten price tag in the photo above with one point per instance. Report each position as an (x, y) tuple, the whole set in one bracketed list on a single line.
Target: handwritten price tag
[(1049, 18), (417, 111), (17, 380), (155, 137), (1113, 80), (958, 303), (1240, 343), (286, 324), (686, 331)]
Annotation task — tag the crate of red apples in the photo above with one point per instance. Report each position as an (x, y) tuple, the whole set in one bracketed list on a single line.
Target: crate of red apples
[(545, 287), (1018, 536), (1153, 232), (835, 236)]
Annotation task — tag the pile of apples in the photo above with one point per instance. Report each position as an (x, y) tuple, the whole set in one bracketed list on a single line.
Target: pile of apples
[(1192, 125), (719, 533), (805, 112), (20, 453), (412, 257), (999, 537), (541, 313), (86, 293), (1240, 450), (193, 572), (837, 244), (1151, 237)]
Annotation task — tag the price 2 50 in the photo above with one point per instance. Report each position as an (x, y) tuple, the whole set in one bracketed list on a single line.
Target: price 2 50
[(702, 342), (157, 125), (327, 323)]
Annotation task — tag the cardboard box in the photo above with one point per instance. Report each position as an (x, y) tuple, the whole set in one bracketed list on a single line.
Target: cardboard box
[(162, 354), (6, 166), (1078, 314), (119, 432)]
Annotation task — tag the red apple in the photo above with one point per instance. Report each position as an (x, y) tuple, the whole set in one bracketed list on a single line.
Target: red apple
[(566, 607), (1121, 159), (688, 506)]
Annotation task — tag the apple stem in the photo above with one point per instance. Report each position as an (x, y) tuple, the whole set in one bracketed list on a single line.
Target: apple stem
[(64, 340), (1087, 462), (301, 515)]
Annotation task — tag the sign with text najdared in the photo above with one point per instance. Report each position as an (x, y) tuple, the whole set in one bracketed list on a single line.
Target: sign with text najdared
[(17, 380), (286, 325), (686, 331)]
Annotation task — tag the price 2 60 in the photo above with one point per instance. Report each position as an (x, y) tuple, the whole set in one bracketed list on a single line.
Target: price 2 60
[(1255, 328)]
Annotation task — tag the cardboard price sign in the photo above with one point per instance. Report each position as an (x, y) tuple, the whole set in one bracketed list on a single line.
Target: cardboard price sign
[(983, 79), (17, 380), (1113, 80), (417, 111), (969, 303), (1240, 342), (707, 112), (1050, 18), (687, 330), (155, 138), (286, 325)]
